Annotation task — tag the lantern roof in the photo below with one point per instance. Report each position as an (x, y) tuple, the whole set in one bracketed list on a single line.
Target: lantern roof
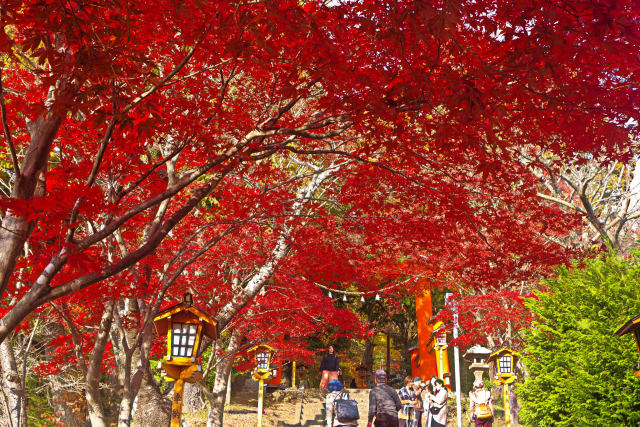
[(503, 351), (477, 350), (438, 328), (258, 347), (185, 311), (630, 326)]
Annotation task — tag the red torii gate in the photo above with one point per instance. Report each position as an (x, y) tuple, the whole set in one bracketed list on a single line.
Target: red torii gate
[(425, 361)]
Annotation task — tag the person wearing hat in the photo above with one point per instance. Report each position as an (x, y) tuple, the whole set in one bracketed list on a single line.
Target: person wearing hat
[(384, 403), (481, 405), (335, 391)]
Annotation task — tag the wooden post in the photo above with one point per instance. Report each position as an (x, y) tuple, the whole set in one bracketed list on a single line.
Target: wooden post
[(293, 375), (388, 355), (176, 407), (260, 397), (507, 408)]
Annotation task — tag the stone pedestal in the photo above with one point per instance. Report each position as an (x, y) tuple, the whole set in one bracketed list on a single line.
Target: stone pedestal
[(478, 374)]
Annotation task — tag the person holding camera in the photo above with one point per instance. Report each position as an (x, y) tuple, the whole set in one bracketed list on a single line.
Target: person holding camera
[(438, 404), (418, 388)]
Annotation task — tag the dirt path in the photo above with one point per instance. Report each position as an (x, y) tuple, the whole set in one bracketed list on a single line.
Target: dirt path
[(286, 408)]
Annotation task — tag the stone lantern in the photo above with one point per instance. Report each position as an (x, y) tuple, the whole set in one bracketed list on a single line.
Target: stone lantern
[(477, 357)]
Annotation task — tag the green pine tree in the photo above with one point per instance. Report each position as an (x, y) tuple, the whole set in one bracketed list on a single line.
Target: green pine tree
[(581, 372)]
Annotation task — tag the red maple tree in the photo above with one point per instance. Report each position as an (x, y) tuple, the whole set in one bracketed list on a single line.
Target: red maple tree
[(129, 127)]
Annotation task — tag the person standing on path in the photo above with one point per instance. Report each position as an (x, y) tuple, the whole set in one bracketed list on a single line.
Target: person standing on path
[(430, 391), (438, 405), (407, 397), (330, 367), (418, 388), (384, 403), (479, 403), (336, 389)]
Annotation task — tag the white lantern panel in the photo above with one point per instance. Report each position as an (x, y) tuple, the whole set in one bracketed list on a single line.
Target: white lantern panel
[(505, 364), (262, 361), (184, 339)]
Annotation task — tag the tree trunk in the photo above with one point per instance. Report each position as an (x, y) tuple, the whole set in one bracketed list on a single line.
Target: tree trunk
[(15, 230), (124, 417), (193, 398), (367, 361), (14, 407), (152, 409), (92, 391), (132, 384), (97, 416), (227, 400), (218, 396), (135, 364)]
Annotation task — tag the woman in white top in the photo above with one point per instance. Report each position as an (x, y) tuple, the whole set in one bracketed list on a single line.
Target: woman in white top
[(335, 388), (438, 404), (481, 405)]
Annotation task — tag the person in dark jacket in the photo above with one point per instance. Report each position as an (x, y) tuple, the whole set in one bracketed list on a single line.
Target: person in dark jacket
[(330, 368), (384, 403)]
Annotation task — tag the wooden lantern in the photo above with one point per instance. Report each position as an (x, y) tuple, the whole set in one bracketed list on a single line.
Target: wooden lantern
[(505, 364), (632, 327), (184, 325)]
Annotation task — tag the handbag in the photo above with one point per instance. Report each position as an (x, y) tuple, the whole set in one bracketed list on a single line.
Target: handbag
[(435, 410), (346, 409)]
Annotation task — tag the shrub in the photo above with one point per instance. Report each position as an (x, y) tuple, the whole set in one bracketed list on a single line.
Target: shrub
[(580, 371)]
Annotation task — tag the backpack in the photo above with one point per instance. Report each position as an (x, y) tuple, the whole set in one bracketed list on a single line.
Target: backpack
[(483, 411), (346, 409)]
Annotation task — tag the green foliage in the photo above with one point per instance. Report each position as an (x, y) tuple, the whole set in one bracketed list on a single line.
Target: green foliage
[(39, 411), (581, 371), (160, 379)]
